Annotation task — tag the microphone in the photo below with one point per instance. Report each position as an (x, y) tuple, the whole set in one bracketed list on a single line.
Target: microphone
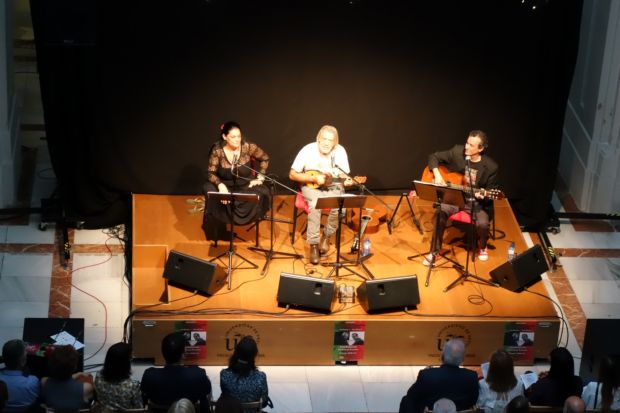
[(467, 158), (333, 161)]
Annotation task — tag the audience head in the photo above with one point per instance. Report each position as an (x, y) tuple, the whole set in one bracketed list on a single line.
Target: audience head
[(182, 406), (63, 362), (562, 366), (243, 359), (173, 347), (14, 354), (501, 375), (609, 378), (444, 406), (453, 352), (519, 404), (117, 364), (574, 404)]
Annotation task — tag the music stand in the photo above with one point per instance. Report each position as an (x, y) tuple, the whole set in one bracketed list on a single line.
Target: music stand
[(390, 223), (232, 198), (437, 194), (340, 202)]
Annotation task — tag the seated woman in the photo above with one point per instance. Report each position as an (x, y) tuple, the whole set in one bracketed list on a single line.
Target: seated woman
[(500, 385), (65, 390), (604, 394), (228, 171), (553, 388), (242, 380), (113, 385)]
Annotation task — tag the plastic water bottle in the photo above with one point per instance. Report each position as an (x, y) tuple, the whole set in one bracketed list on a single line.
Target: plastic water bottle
[(511, 251), (366, 247)]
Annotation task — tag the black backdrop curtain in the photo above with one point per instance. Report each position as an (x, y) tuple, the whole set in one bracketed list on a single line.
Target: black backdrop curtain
[(134, 92)]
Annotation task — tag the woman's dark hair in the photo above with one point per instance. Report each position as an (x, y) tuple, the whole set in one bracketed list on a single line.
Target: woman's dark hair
[(243, 359), (63, 362), (226, 127), (609, 378), (562, 366), (117, 364), (501, 375)]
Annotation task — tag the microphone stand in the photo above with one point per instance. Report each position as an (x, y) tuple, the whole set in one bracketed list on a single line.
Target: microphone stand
[(270, 253), (360, 259), (465, 271)]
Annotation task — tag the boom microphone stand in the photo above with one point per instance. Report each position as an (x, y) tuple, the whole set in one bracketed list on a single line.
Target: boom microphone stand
[(437, 195), (465, 271), (270, 253)]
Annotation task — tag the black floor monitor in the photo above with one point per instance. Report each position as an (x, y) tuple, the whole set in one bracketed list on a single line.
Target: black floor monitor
[(193, 273)]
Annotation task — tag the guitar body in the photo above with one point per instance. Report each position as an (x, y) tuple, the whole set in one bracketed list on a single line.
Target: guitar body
[(374, 215), (448, 176)]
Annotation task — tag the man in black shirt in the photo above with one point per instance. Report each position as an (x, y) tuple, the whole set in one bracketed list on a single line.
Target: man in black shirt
[(470, 161)]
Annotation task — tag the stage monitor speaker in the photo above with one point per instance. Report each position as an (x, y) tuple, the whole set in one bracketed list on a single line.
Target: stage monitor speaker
[(193, 273), (522, 271), (601, 339), (389, 294), (303, 292)]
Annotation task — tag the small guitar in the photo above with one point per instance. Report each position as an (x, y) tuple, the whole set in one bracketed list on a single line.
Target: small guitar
[(332, 180), (455, 180)]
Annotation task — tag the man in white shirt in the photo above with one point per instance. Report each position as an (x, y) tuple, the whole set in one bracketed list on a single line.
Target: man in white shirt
[(315, 166)]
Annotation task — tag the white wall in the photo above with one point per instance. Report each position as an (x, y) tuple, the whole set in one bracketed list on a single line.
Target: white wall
[(589, 160)]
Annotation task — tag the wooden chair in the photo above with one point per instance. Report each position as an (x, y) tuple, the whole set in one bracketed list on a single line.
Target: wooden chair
[(256, 406)]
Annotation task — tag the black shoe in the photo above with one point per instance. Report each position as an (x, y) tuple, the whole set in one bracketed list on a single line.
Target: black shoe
[(314, 254)]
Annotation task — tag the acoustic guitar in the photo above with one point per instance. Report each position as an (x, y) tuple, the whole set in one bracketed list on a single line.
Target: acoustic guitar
[(456, 180), (332, 180)]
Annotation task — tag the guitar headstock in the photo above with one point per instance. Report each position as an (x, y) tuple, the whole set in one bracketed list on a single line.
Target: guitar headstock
[(494, 194), (360, 179)]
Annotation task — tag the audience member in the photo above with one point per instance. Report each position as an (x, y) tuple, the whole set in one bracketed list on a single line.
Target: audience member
[(444, 406), (4, 394), (64, 389), (23, 389), (604, 394), (242, 379), (182, 406), (175, 381), (574, 404), (449, 380), (113, 385), (519, 404), (554, 388), (500, 385)]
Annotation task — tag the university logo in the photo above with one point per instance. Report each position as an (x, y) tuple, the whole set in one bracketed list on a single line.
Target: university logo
[(453, 331), (237, 332)]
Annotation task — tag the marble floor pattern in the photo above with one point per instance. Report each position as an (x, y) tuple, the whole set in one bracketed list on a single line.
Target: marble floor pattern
[(34, 284)]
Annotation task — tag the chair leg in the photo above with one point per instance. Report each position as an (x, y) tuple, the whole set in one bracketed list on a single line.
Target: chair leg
[(294, 224)]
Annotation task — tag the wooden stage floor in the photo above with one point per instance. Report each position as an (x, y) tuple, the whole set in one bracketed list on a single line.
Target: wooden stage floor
[(482, 315)]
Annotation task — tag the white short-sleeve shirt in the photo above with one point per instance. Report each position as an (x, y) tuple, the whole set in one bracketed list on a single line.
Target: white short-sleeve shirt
[(310, 158)]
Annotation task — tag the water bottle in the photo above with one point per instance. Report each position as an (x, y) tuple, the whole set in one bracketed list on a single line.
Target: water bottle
[(366, 247), (511, 251)]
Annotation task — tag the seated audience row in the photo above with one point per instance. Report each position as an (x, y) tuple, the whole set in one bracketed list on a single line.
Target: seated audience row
[(64, 389), (495, 392)]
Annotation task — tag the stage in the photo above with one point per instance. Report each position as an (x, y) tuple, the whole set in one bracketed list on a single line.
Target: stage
[(484, 316)]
